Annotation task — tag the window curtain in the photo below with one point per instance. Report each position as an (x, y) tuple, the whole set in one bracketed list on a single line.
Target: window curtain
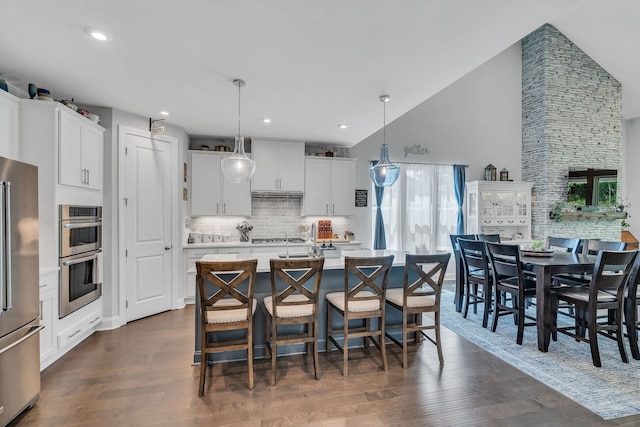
[(379, 239), (420, 209), (459, 172)]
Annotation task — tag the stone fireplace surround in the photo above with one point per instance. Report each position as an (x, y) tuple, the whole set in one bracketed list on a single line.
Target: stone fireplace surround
[(571, 117)]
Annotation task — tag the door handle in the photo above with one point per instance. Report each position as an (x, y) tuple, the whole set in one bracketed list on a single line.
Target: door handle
[(167, 248)]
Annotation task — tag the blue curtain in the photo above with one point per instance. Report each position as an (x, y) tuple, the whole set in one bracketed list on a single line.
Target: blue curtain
[(458, 184), (379, 239)]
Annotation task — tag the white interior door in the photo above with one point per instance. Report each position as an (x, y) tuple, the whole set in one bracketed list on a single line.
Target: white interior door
[(147, 214)]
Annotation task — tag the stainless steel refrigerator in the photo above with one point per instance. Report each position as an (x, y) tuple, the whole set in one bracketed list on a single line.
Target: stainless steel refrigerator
[(19, 299)]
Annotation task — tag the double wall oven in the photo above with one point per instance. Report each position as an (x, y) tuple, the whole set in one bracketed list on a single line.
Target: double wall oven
[(80, 256)]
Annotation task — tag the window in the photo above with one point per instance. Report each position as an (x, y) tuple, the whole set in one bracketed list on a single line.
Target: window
[(420, 209), (592, 187)]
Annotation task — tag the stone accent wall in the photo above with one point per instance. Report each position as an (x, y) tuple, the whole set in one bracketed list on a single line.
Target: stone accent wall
[(571, 117)]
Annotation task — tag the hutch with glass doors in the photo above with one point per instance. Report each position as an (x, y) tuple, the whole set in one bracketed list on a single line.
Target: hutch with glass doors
[(499, 207)]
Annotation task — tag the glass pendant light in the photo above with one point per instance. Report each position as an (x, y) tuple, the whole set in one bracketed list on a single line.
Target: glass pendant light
[(384, 173), (238, 167)]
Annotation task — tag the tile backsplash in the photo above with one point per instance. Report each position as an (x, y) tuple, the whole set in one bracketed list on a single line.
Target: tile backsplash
[(270, 217)]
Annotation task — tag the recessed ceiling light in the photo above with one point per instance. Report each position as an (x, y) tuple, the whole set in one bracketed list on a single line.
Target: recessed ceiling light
[(98, 34), (343, 126), (164, 113), (266, 120)]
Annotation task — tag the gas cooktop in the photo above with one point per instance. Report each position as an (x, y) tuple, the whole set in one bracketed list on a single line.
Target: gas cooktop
[(278, 240)]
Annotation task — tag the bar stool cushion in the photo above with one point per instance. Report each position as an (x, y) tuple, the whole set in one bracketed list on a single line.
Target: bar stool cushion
[(337, 299), (229, 316), (395, 296), (290, 310)]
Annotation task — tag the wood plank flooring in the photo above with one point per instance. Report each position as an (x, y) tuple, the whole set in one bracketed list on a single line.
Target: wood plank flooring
[(141, 374)]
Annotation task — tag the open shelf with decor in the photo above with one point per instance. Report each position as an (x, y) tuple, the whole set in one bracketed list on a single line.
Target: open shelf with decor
[(587, 215)]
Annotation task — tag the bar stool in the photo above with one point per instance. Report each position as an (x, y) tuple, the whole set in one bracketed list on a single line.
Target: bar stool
[(420, 293), (291, 303), (363, 301), (226, 308)]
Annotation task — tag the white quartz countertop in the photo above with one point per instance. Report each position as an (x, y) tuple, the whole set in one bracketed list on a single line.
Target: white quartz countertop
[(329, 263), (238, 244)]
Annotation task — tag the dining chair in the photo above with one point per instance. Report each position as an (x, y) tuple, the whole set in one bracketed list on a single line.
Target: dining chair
[(631, 305), (509, 278), (227, 307), (495, 238), (567, 244), (420, 293), (293, 303), (365, 283), (605, 292), (590, 247), (477, 276), (457, 256)]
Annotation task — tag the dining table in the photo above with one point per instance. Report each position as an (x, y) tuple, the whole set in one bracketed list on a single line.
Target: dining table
[(545, 266)]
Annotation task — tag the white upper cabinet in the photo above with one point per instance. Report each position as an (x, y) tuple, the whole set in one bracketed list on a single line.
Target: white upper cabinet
[(9, 108), (80, 156), (211, 193), (279, 166), (329, 186)]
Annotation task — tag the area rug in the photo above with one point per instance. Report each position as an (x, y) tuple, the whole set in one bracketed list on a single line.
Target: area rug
[(612, 391)]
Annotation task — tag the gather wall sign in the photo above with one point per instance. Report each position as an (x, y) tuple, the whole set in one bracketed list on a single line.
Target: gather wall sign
[(416, 149)]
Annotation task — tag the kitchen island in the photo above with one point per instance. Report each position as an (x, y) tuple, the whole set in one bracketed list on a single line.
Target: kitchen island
[(332, 281)]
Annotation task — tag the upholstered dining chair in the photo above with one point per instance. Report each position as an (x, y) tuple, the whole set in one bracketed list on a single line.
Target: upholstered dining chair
[(293, 303), (631, 305), (420, 293), (365, 284), (605, 292), (225, 305), (476, 275), (509, 278)]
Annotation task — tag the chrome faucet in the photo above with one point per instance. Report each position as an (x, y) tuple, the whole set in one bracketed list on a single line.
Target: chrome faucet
[(314, 235)]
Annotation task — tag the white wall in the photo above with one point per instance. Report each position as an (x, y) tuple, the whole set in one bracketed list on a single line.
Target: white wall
[(475, 121), (631, 173)]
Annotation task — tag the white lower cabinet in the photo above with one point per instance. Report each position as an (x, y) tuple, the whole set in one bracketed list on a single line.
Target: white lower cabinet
[(80, 329), (48, 303), (193, 255), (48, 316), (61, 335)]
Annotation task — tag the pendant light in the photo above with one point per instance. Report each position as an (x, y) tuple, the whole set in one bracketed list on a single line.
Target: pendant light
[(238, 167), (384, 173)]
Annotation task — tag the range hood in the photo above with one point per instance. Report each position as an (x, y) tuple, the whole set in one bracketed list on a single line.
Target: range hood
[(276, 195)]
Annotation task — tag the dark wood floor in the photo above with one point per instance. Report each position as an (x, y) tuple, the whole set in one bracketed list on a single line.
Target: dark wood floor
[(141, 374)]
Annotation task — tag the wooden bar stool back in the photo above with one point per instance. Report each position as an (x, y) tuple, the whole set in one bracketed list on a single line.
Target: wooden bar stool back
[(226, 305), (365, 283), (420, 293), (293, 303)]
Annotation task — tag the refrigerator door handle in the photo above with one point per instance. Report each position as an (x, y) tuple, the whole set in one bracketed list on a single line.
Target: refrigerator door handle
[(5, 247), (34, 330)]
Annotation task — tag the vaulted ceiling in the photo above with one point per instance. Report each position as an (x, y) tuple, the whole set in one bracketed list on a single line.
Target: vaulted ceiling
[(309, 65)]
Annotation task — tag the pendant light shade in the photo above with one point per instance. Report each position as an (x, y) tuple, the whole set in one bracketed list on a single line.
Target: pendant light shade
[(384, 173), (238, 167)]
